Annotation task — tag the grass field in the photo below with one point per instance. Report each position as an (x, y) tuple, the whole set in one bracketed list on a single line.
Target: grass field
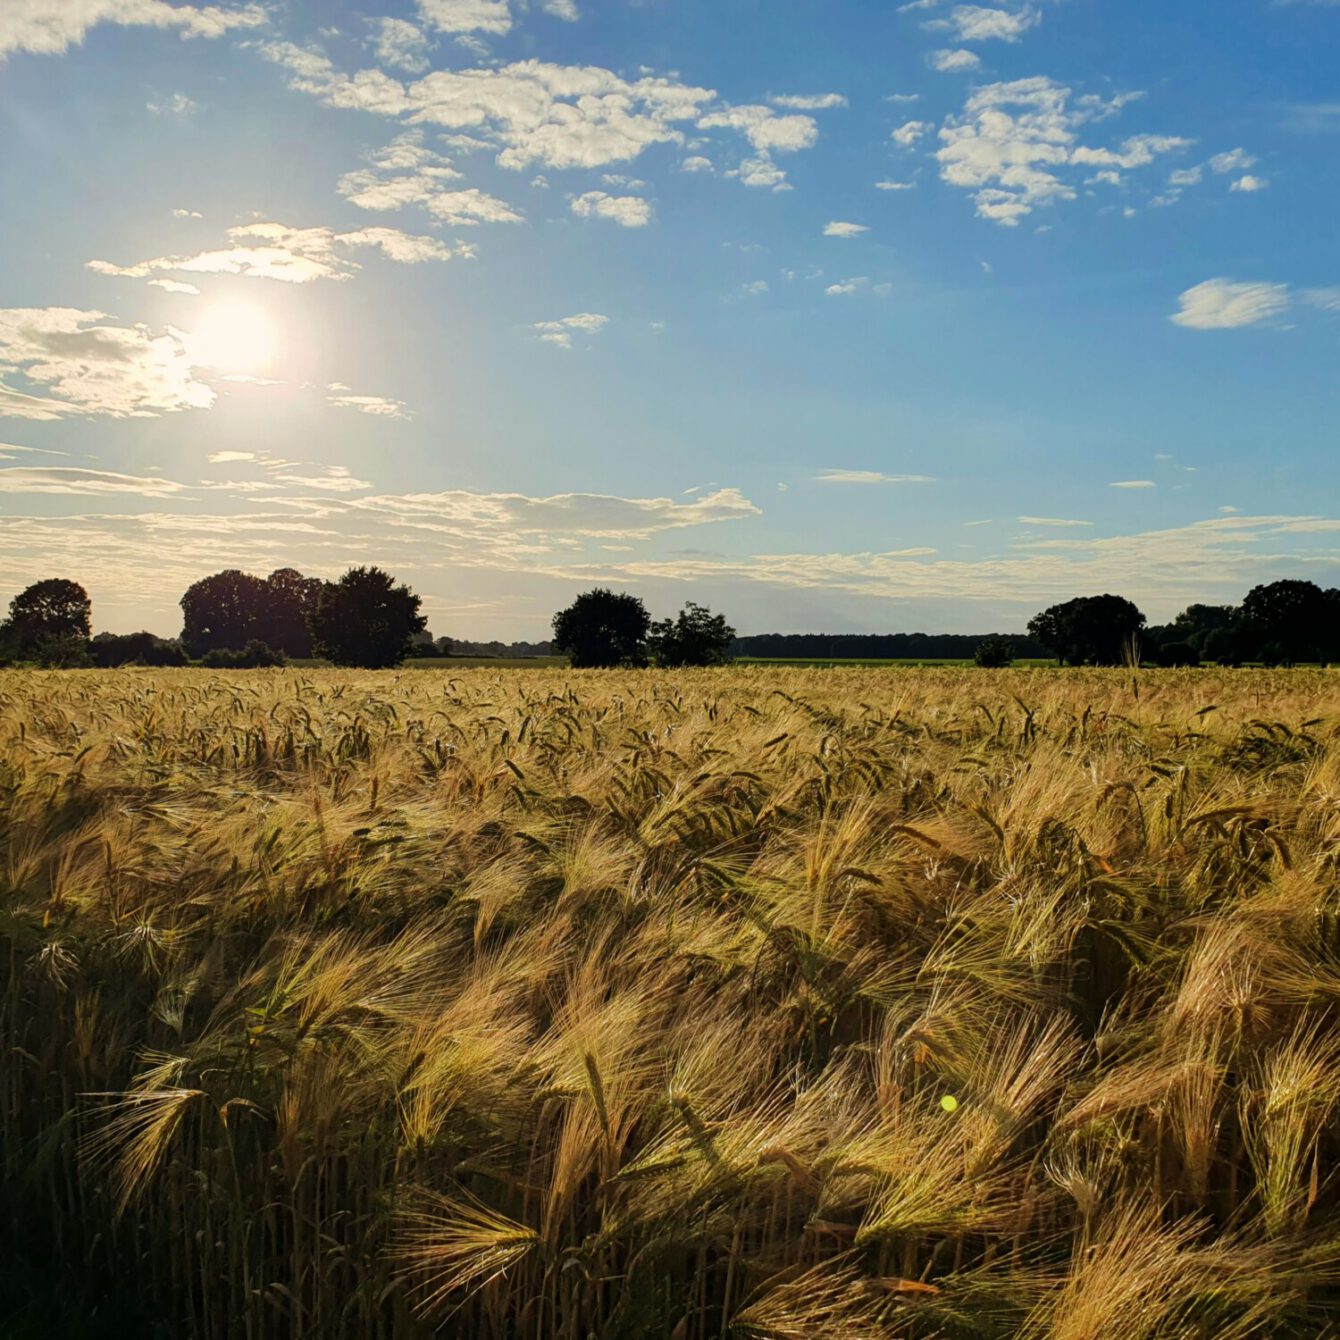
[(762, 1003)]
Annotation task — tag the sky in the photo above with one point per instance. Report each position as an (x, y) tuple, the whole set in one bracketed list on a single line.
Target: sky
[(833, 315)]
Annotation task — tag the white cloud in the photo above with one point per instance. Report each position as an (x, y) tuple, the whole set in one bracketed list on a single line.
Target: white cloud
[(762, 173), (1051, 521), (1326, 299), (375, 405), (845, 230), (226, 457), (61, 479), (402, 44), (845, 288), (1221, 304), (563, 9), (1133, 484), (175, 286), (869, 477), (1249, 184), (1014, 141), (697, 163), (1186, 176), (1236, 160), (291, 255), (81, 362), (910, 132), (630, 211), (888, 185), (974, 23), (405, 172), (467, 16), (177, 105), (953, 61), (764, 129), (814, 102), (560, 333), (50, 27), (187, 214)]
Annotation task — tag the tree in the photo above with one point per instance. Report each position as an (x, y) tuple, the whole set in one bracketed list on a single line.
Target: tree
[(366, 620), (1174, 654), (1287, 620), (602, 629), (256, 655), (289, 601), (110, 650), (55, 610), (226, 610), (696, 637), (994, 653), (1090, 630)]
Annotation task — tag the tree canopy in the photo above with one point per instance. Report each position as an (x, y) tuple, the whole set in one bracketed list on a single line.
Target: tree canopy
[(50, 611), (1090, 630), (696, 637), (366, 620), (603, 629)]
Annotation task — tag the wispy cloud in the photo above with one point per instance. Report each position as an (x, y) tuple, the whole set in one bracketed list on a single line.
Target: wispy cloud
[(869, 477), (1222, 304)]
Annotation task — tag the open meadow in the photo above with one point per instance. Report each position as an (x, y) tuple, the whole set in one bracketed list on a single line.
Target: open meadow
[(756, 1003)]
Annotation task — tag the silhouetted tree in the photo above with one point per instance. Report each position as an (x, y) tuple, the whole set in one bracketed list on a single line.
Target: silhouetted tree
[(602, 629), (47, 612), (290, 600), (226, 610), (366, 620), (994, 653), (256, 655), (696, 637), (1173, 654), (1090, 630), (110, 650), (1287, 620)]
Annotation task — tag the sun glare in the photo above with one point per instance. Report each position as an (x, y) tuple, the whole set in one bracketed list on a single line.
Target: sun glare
[(235, 337)]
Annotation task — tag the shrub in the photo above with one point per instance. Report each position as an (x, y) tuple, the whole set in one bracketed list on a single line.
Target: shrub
[(110, 650), (1178, 654), (256, 655), (994, 653)]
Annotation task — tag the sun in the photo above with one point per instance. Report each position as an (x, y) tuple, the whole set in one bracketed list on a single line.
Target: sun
[(235, 337)]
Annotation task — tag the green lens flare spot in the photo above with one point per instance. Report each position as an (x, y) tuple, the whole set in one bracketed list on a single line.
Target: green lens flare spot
[(949, 1103)]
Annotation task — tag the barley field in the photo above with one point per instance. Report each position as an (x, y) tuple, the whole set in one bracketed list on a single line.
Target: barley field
[(758, 1004)]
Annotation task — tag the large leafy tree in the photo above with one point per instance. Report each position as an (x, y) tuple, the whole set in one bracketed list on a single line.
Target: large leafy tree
[(602, 629), (1089, 630), (55, 610), (223, 611), (1287, 620), (366, 620), (696, 637), (290, 601)]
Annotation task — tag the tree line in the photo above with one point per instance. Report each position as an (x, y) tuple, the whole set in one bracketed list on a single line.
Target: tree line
[(366, 619)]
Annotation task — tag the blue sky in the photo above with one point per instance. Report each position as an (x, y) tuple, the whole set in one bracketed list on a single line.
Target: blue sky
[(835, 316)]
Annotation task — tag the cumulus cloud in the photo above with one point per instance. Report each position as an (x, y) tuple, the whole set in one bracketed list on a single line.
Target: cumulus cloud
[(975, 23), (761, 173), (1236, 160), (1015, 143), (764, 129), (910, 132), (291, 255), (50, 27), (845, 288), (811, 102), (402, 45), (82, 362), (953, 61), (560, 333), (467, 16), (845, 230), (630, 211), (406, 172), (532, 112), (1222, 304), (1249, 184)]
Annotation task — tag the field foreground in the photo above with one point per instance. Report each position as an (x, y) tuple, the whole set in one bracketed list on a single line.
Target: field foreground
[(755, 1003)]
